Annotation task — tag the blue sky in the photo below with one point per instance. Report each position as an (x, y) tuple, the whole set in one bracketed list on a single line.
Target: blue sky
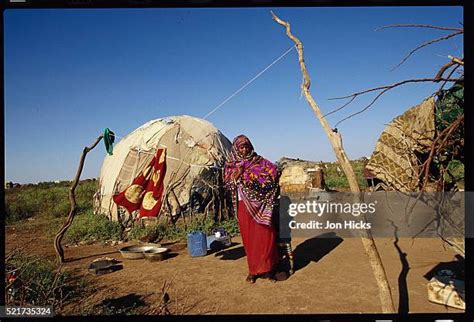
[(71, 73)]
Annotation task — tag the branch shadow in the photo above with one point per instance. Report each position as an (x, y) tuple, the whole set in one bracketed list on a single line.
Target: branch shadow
[(314, 249), (403, 297)]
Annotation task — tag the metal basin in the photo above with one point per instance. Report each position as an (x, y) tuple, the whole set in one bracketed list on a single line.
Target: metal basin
[(137, 251), (156, 254)]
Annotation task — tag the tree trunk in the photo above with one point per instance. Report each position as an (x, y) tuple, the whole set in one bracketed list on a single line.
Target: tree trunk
[(336, 142)]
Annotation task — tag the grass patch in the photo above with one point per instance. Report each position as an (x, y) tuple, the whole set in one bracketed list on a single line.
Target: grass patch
[(49, 202), (107, 310), (90, 227), (46, 200)]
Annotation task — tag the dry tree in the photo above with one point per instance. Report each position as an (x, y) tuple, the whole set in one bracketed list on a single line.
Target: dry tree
[(449, 133), (335, 139)]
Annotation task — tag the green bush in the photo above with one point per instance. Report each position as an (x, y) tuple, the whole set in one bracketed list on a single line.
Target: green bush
[(456, 170), (455, 173), (90, 227), (199, 223), (231, 226)]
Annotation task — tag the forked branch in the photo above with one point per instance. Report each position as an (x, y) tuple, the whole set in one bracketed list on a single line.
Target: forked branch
[(72, 199), (336, 142)]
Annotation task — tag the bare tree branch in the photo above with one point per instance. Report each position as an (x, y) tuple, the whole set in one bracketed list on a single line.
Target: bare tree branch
[(427, 44), (383, 90), (375, 99), (341, 107), (436, 147), (449, 76), (438, 77), (72, 198), (419, 26), (457, 60), (416, 80), (443, 69)]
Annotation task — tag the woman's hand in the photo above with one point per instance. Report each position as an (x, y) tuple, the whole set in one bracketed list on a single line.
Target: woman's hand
[(238, 173)]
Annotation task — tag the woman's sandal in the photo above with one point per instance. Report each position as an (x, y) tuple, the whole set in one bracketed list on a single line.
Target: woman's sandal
[(251, 278), (275, 276), (281, 276), (268, 276)]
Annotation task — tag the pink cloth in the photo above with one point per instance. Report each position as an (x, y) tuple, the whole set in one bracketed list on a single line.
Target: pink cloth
[(258, 184)]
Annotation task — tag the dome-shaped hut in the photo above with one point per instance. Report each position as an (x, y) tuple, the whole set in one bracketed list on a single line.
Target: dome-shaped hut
[(195, 154)]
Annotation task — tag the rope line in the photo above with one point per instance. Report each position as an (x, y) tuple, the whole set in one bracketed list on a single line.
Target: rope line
[(242, 87), (222, 104), (248, 83), (178, 159)]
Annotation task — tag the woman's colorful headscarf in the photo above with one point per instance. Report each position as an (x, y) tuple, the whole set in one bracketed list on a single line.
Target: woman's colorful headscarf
[(258, 184), (238, 142)]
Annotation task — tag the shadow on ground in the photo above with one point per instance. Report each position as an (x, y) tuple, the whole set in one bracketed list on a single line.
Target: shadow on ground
[(313, 249), (456, 266), (231, 254)]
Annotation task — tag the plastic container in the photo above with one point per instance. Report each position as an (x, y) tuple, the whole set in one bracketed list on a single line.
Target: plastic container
[(210, 240), (197, 244), (214, 243)]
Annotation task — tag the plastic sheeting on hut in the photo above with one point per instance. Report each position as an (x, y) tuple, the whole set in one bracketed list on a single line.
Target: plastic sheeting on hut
[(394, 159)]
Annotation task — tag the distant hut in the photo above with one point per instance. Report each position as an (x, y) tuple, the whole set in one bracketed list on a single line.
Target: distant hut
[(299, 176)]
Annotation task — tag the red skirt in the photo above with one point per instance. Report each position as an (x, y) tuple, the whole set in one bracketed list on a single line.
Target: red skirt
[(259, 242)]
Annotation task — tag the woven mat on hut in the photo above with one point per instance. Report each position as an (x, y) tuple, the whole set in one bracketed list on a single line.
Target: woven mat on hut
[(394, 160)]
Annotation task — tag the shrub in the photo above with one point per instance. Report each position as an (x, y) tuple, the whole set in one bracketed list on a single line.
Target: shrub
[(231, 226), (32, 280), (139, 231), (110, 310)]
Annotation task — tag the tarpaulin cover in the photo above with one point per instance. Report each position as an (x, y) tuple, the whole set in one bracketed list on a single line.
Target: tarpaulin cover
[(146, 191)]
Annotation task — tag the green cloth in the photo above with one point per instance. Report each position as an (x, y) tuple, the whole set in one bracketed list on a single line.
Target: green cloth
[(109, 138)]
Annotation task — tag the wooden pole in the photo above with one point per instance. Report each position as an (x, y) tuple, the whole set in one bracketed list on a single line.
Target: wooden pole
[(72, 200), (336, 142)]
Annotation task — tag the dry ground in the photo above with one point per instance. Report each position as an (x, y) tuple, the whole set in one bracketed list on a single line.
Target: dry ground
[(333, 276)]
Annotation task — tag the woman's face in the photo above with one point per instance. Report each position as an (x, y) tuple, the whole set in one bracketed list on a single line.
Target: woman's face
[(244, 150)]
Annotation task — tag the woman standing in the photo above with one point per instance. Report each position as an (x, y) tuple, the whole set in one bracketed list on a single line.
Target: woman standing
[(253, 182)]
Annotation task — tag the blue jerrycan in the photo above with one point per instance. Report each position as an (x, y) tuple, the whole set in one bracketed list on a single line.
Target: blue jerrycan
[(197, 244)]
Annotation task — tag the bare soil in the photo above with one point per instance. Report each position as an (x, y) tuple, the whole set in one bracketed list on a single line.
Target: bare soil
[(332, 276)]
